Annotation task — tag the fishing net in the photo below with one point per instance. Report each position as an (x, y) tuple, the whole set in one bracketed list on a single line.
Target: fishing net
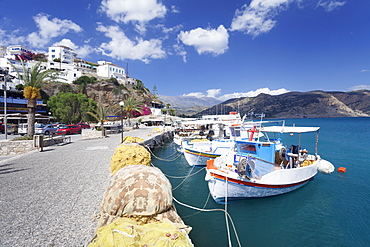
[(129, 154), (128, 232), (130, 139), (137, 190)]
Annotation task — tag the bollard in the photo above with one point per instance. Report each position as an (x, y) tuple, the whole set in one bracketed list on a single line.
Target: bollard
[(38, 141)]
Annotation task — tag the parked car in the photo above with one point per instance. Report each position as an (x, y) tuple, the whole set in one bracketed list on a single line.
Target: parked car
[(45, 129), (12, 129), (69, 129), (22, 129), (2, 128), (84, 126)]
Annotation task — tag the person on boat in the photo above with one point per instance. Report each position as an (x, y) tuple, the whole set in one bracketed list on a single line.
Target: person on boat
[(210, 135)]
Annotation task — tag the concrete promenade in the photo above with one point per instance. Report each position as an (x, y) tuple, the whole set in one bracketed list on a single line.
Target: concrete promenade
[(49, 198)]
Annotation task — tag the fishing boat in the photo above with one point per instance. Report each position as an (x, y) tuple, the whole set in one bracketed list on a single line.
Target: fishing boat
[(197, 152), (264, 166), (208, 127)]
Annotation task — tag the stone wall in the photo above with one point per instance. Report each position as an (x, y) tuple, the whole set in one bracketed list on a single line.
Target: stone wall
[(89, 134), (16, 147)]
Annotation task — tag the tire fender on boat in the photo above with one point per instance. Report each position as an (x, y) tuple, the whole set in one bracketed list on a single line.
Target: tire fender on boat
[(246, 168), (282, 153)]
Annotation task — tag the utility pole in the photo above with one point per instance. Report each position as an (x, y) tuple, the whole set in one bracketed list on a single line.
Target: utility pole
[(5, 73)]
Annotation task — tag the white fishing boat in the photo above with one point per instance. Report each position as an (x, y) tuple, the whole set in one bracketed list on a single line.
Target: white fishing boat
[(264, 167), (197, 152), (209, 126)]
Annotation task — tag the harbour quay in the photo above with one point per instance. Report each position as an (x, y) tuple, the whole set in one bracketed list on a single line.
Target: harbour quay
[(51, 198)]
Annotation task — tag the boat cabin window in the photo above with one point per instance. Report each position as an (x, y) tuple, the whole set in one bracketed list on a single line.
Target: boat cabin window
[(247, 148), (235, 131)]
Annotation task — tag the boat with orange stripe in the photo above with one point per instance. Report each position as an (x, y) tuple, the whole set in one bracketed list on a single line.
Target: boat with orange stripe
[(263, 167)]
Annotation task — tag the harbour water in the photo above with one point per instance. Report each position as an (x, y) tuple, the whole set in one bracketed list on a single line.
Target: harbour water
[(331, 210)]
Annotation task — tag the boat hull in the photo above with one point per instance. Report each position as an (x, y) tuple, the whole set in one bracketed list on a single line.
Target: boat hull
[(232, 190), (198, 158)]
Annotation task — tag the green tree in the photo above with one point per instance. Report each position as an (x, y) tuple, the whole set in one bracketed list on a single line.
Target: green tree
[(33, 78), (131, 105), (172, 111), (66, 88), (71, 108), (40, 57), (100, 114), (82, 81), (19, 87)]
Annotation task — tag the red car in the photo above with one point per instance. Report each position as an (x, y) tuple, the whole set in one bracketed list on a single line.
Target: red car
[(69, 129), (84, 126)]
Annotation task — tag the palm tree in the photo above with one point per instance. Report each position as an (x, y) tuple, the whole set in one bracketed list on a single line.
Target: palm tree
[(100, 114), (33, 78), (131, 105)]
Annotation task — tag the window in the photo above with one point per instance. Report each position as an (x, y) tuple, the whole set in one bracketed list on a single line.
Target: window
[(247, 148)]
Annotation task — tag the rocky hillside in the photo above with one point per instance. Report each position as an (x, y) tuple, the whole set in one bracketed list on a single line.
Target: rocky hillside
[(300, 105), (189, 105), (109, 93)]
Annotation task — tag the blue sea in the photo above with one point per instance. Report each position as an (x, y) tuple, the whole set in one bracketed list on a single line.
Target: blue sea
[(331, 210)]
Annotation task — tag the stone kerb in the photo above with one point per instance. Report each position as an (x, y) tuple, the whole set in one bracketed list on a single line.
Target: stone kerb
[(89, 134), (16, 147)]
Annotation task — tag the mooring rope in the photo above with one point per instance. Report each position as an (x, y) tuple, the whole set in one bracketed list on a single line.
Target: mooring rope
[(166, 158), (212, 210)]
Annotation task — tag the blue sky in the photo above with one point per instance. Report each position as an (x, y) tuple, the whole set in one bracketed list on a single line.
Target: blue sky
[(223, 49)]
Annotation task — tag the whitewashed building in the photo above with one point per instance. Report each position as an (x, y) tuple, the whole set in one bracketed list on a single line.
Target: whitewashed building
[(14, 50), (64, 53), (2, 51), (110, 70)]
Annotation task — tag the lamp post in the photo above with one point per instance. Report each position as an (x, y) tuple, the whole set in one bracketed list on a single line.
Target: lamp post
[(122, 104)]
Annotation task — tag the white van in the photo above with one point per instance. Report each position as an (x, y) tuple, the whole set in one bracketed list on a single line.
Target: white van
[(22, 129)]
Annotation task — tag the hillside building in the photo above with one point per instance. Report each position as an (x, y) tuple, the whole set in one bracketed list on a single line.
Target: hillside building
[(18, 50)]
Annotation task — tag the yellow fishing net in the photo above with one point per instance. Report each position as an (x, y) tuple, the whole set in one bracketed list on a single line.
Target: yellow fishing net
[(127, 232), (130, 139), (158, 130), (199, 140), (129, 154)]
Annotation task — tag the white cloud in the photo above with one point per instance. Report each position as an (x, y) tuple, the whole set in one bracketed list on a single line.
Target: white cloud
[(360, 87), (121, 47), (257, 18), (49, 29), (253, 93), (181, 52), (82, 51), (10, 39), (330, 5), (175, 9), (139, 12), (214, 92), (214, 41), (195, 94)]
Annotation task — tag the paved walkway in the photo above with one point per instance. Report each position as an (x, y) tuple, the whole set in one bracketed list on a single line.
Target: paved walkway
[(49, 198)]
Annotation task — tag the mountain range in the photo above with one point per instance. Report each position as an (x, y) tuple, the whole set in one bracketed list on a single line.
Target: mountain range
[(189, 105), (313, 104)]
